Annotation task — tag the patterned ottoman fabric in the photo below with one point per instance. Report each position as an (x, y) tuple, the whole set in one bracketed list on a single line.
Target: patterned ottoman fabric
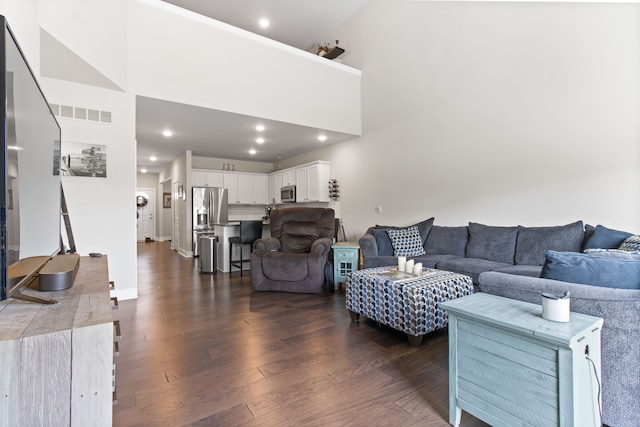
[(410, 306)]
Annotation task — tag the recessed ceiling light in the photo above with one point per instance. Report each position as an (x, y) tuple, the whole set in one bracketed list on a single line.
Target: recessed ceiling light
[(260, 128), (322, 138), (167, 133), (153, 158), (252, 151), (263, 22), (143, 170), (260, 140)]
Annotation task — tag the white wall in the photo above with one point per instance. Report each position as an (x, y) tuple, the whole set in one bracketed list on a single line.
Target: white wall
[(501, 113), (103, 210), (95, 30), (23, 20), (184, 57)]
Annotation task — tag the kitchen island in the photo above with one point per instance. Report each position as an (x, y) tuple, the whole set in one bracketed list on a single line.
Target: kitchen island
[(232, 229)]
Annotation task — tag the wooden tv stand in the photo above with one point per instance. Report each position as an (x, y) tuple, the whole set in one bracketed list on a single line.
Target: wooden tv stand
[(57, 360)]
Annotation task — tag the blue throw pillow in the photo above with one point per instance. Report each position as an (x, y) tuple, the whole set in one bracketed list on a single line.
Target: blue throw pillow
[(385, 248), (606, 238), (597, 269), (406, 241)]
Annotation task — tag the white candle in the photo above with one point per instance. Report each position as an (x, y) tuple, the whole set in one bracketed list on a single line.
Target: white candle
[(402, 260), (408, 267), (417, 268)]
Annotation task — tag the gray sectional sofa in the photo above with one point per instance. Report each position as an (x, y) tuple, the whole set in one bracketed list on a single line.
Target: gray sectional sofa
[(509, 262), (476, 248)]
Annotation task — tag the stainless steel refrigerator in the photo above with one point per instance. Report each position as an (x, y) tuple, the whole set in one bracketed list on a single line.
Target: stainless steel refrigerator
[(210, 208)]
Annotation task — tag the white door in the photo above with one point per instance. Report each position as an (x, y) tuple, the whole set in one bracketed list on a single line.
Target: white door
[(146, 205)]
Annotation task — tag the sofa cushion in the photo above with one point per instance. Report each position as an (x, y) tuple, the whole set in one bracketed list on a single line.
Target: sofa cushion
[(431, 261), (446, 241), (630, 244), (379, 261), (606, 238), (597, 269), (521, 270), (492, 243), (406, 241), (470, 266), (533, 241)]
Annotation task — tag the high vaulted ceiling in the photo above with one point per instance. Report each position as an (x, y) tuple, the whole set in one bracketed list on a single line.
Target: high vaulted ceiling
[(214, 133)]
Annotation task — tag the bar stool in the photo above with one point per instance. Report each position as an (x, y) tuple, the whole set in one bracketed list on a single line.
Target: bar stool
[(250, 231)]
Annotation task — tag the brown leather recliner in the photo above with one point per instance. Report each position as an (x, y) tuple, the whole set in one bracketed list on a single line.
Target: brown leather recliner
[(294, 257)]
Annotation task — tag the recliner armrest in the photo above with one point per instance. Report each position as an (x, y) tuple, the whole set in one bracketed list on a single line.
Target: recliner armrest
[(321, 246), (268, 244)]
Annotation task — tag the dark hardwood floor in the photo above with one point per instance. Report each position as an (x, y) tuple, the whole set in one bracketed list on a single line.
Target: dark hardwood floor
[(206, 350)]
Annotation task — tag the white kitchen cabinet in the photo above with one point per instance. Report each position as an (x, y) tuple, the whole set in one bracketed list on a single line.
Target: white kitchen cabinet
[(247, 188), (261, 190), (275, 184), (312, 182), (200, 178), (230, 182), (318, 176), (289, 177), (302, 192)]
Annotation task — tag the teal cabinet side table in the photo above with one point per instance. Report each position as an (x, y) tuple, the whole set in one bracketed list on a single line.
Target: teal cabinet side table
[(508, 366), (345, 260)]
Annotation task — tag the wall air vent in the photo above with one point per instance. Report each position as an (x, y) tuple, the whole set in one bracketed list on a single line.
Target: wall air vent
[(81, 113)]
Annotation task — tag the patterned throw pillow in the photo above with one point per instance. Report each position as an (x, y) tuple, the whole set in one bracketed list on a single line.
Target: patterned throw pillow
[(630, 244), (406, 241), (614, 253)]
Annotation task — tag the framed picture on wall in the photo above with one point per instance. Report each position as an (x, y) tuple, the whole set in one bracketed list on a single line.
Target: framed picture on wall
[(166, 200)]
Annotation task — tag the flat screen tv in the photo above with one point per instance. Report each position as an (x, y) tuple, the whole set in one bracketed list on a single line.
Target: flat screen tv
[(30, 173)]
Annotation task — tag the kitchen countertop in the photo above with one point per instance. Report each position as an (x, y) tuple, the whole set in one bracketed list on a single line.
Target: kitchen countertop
[(233, 223)]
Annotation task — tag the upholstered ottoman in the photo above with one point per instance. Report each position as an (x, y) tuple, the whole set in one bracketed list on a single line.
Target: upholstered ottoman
[(409, 305)]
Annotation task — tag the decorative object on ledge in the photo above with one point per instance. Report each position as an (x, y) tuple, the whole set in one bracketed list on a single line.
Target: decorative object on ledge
[(325, 50), (334, 189)]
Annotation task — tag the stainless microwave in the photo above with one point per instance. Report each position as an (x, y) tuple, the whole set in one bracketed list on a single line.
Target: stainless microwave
[(288, 194)]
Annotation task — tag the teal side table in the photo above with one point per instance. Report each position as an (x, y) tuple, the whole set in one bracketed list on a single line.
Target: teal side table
[(508, 366), (345, 260)]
